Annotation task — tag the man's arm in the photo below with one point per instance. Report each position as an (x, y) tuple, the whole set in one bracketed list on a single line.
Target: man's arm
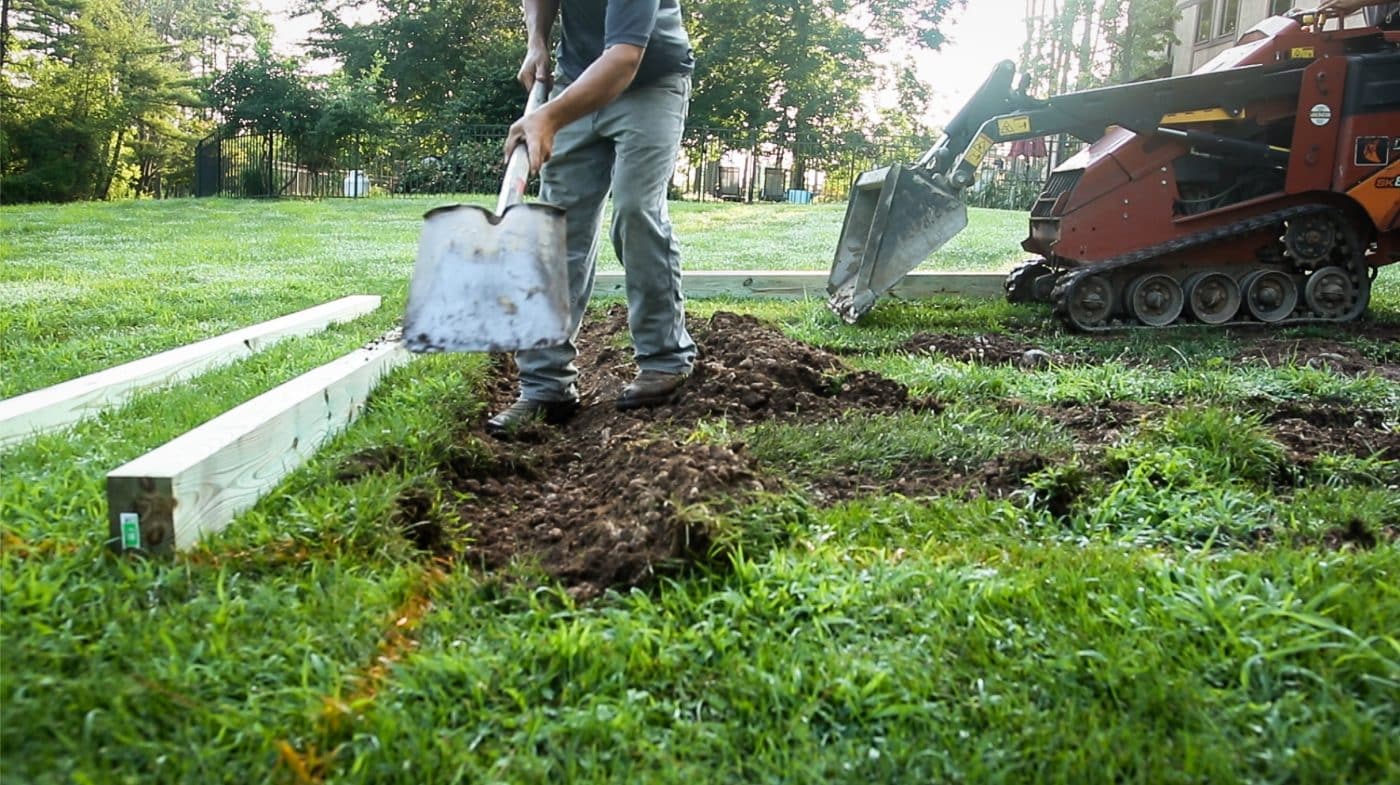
[(539, 20), (595, 88)]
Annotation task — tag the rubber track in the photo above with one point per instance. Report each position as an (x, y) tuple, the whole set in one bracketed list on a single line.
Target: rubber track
[(1060, 296)]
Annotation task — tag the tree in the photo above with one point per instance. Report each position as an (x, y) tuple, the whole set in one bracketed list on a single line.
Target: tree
[(798, 73), (317, 117), (207, 34), (99, 101), (1078, 44), (94, 76), (441, 66)]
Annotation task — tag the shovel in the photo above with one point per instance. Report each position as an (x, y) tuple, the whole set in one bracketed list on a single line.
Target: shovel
[(491, 282)]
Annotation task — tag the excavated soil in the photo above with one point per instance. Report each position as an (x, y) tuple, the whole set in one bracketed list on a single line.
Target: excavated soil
[(1330, 353), (1310, 431), (613, 499), (988, 349), (1263, 347)]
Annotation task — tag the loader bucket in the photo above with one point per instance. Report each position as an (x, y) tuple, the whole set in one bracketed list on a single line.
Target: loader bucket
[(896, 218)]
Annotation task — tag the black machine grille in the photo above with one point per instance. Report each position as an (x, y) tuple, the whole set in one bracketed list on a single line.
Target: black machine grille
[(1059, 183)]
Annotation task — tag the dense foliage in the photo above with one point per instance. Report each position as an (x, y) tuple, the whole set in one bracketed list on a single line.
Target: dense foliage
[(107, 98), (1078, 44), (101, 96)]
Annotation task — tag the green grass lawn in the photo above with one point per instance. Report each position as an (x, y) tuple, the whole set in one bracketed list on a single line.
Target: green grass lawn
[(1147, 635)]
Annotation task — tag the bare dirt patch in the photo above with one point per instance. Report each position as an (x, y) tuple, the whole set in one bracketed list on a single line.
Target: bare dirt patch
[(1309, 431), (607, 500), (1381, 357), (613, 499), (995, 479)]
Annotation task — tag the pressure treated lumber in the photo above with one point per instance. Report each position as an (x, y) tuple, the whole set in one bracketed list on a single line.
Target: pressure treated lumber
[(68, 402), (195, 484), (797, 285)]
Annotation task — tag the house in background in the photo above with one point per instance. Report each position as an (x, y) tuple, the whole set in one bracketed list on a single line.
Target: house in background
[(1208, 27)]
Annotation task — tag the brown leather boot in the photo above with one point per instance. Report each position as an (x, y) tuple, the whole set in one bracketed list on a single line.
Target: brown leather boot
[(524, 413), (651, 388)]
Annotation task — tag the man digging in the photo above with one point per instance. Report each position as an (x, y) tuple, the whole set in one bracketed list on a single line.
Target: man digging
[(613, 122)]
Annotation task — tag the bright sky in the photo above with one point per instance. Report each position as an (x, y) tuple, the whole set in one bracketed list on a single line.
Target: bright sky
[(980, 36)]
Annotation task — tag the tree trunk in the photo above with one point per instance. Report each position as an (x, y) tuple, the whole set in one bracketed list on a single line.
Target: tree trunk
[(4, 35), (1084, 14), (106, 188)]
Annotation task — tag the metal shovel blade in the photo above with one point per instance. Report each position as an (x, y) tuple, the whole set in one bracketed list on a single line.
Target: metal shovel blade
[(484, 283), (895, 219)]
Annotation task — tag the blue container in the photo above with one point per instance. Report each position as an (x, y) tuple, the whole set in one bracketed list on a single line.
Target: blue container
[(799, 197)]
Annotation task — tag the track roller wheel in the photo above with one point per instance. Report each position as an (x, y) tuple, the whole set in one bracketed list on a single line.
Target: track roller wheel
[(1311, 238), (1269, 295), (1089, 302), (1329, 292), (1155, 299), (1212, 298), (1024, 283)]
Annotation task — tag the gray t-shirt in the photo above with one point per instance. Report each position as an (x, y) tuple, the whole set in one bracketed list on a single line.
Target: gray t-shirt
[(587, 27), (1386, 15)]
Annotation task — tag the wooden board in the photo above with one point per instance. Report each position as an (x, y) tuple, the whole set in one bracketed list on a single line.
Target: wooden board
[(797, 285), (68, 402), (197, 483)]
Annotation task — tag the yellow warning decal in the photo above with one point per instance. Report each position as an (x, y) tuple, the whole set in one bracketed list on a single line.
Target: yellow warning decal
[(978, 150), (1200, 116), (1303, 53), (1009, 126)]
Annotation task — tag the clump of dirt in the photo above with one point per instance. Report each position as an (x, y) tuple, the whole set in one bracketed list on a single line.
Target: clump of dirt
[(1101, 423), (596, 519), (988, 349), (1307, 432), (1355, 534), (1331, 354)]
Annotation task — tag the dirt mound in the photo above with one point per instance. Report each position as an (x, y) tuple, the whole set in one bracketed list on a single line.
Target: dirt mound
[(989, 349), (600, 502), (1310, 431), (747, 371), (613, 499), (594, 519)]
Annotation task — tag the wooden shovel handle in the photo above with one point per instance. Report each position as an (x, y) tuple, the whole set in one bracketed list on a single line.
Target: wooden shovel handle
[(518, 166)]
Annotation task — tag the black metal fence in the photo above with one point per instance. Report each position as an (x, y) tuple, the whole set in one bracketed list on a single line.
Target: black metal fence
[(713, 165), (256, 165)]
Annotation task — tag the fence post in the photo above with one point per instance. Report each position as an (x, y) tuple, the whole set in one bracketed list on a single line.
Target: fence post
[(704, 159)]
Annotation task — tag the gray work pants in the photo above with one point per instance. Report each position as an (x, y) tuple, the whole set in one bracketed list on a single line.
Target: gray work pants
[(628, 147)]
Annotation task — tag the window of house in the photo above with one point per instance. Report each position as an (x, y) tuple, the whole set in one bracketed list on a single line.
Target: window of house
[(1229, 17), (1205, 20), (1217, 19), (1279, 7)]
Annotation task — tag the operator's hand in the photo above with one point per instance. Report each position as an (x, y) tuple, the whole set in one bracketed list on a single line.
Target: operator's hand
[(536, 67), (536, 130)]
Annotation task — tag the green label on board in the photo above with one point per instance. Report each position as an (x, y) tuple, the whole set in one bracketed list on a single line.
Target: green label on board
[(131, 529)]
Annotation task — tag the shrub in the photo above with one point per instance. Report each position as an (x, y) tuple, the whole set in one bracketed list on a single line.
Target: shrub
[(473, 166)]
